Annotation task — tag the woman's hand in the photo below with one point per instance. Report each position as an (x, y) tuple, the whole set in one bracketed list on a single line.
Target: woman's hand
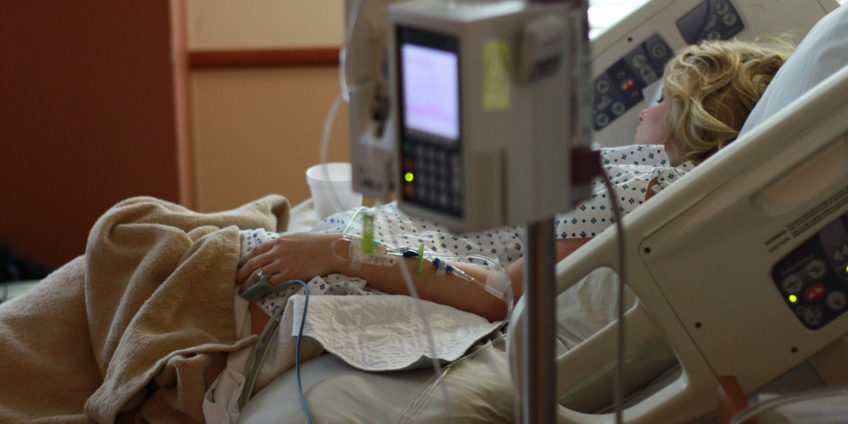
[(293, 256)]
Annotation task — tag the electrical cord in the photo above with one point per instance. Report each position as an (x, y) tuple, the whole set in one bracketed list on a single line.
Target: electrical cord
[(619, 363), (260, 352)]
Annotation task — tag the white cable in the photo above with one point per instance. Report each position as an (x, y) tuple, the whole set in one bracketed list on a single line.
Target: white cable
[(437, 368), (619, 354)]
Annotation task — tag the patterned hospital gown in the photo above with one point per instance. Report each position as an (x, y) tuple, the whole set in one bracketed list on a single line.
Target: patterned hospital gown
[(631, 168)]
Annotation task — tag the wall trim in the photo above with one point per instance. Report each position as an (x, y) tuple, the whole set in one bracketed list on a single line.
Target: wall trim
[(247, 58)]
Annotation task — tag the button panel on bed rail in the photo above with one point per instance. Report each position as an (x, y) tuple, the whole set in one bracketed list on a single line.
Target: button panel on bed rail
[(813, 278), (619, 88), (710, 20)]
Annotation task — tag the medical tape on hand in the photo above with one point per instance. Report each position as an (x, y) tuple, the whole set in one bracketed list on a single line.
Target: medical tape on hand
[(379, 256), (497, 283)]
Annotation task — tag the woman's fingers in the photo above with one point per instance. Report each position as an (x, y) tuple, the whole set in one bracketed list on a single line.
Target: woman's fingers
[(258, 250), (249, 269), (291, 256), (251, 279)]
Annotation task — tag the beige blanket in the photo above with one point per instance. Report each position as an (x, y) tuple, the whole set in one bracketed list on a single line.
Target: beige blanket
[(137, 328)]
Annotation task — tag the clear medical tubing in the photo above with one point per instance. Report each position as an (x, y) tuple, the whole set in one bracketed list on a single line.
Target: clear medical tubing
[(389, 256), (399, 256)]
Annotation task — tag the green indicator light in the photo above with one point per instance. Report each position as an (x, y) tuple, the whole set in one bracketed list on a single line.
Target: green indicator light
[(793, 298), (408, 177)]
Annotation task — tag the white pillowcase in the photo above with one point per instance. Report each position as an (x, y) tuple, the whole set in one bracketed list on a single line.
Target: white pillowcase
[(823, 51)]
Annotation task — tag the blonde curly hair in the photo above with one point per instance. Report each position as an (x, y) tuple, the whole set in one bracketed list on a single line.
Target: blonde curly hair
[(712, 87)]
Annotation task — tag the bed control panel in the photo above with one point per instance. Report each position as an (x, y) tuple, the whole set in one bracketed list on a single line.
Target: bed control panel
[(813, 278), (710, 20), (619, 87)]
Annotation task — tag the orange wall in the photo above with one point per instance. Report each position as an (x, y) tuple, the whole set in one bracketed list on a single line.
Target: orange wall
[(86, 117)]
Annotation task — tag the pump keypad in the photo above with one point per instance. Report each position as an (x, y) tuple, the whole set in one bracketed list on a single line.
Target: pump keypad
[(432, 177), (813, 278)]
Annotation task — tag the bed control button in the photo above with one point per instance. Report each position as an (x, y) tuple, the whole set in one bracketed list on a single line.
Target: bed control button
[(816, 269), (840, 254), (659, 50), (815, 293), (711, 22), (602, 120), (812, 315), (792, 284), (836, 300), (618, 108), (648, 75)]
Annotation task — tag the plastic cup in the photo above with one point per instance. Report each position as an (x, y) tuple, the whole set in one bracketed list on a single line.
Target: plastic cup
[(331, 188)]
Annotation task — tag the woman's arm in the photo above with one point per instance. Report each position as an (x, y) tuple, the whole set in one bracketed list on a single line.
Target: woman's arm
[(564, 247), (305, 255)]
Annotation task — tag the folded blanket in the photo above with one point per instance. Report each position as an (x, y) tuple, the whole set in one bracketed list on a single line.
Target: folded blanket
[(137, 328)]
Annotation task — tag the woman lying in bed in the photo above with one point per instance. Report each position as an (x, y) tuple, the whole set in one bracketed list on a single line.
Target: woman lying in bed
[(708, 92)]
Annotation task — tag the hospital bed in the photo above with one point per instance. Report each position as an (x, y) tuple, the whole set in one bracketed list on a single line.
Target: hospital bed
[(705, 259)]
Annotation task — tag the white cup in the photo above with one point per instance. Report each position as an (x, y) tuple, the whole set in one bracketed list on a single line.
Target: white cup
[(332, 189)]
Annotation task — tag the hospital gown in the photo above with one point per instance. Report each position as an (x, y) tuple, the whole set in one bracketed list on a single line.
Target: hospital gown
[(631, 169)]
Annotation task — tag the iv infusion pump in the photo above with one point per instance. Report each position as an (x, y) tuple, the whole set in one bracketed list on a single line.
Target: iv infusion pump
[(481, 119), (481, 102)]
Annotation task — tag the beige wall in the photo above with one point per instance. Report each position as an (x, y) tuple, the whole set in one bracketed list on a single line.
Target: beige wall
[(255, 131), (216, 24)]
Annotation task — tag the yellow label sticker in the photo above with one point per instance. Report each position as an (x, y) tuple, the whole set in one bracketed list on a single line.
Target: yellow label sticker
[(495, 75)]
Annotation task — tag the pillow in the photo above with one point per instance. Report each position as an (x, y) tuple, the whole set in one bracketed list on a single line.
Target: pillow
[(823, 51)]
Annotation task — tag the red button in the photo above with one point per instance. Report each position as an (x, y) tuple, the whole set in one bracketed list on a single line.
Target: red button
[(815, 292), (628, 84)]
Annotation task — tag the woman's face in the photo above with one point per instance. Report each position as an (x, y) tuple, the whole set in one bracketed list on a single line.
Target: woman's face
[(653, 129)]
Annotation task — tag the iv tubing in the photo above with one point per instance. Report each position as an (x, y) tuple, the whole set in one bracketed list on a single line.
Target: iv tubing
[(442, 266), (431, 343), (325, 143), (351, 23)]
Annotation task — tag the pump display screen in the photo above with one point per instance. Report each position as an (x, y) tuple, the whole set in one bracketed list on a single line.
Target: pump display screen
[(428, 77), (430, 86), (429, 71)]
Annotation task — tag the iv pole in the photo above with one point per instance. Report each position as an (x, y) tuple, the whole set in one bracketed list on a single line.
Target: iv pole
[(540, 371), (539, 384)]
